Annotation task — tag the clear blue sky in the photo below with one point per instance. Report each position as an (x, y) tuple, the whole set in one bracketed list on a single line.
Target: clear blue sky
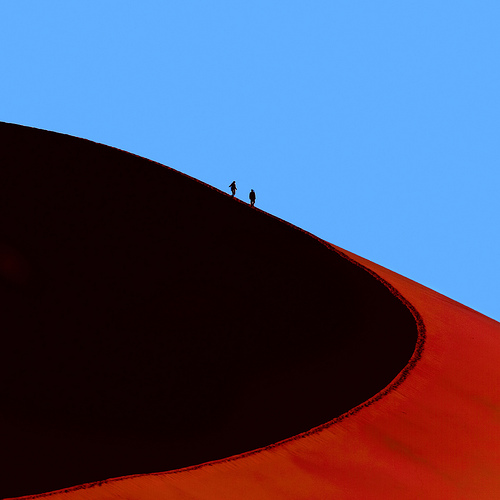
[(372, 124)]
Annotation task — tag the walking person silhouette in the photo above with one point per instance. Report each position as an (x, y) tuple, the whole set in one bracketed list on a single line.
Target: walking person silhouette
[(252, 197), (233, 188)]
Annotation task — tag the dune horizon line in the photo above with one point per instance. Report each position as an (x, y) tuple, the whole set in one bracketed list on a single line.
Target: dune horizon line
[(128, 369)]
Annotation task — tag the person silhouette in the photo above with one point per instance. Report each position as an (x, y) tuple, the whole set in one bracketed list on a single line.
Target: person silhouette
[(252, 197), (233, 188)]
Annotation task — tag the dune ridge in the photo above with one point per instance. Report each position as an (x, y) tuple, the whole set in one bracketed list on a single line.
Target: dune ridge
[(274, 365), (384, 392), (142, 290)]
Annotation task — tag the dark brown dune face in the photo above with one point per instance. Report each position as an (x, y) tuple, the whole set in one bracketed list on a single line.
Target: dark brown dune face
[(150, 322)]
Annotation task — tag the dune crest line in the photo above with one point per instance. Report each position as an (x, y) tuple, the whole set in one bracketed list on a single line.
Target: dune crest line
[(134, 326)]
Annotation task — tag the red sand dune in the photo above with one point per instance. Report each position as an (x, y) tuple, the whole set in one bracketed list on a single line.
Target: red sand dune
[(151, 323)]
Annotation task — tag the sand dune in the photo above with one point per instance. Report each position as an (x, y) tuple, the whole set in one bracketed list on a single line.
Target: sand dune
[(151, 323)]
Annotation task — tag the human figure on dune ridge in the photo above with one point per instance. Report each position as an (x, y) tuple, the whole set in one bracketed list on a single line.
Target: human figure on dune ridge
[(233, 188), (252, 197)]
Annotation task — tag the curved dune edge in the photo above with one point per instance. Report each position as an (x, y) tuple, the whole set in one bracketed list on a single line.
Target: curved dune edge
[(433, 436), (360, 363), (138, 487)]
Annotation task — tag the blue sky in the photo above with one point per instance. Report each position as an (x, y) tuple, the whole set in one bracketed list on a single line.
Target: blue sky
[(372, 124)]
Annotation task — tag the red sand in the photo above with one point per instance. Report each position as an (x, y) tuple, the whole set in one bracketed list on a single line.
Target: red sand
[(430, 433)]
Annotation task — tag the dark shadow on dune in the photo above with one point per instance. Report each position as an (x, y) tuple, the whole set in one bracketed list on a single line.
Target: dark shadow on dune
[(139, 334)]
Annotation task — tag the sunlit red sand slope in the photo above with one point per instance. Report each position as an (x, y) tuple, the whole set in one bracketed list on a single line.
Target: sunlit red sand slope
[(152, 323)]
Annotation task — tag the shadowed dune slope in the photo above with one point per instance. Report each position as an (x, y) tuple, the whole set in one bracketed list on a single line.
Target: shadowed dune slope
[(150, 322)]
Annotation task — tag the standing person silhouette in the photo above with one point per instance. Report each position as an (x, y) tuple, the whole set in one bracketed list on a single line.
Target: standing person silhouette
[(233, 188), (252, 197)]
